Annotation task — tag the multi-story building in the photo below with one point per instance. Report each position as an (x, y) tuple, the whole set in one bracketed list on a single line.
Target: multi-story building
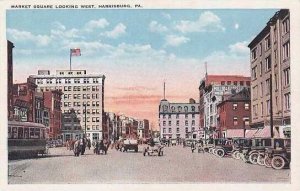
[(70, 126), (234, 112), (113, 126), (211, 90), (143, 128), (82, 92), (10, 47), (270, 79), (178, 120), (52, 101)]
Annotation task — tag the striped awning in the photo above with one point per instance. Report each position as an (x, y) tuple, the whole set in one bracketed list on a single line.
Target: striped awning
[(263, 133), (250, 133)]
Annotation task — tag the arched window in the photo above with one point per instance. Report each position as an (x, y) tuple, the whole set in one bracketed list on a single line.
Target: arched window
[(179, 108), (186, 109), (173, 109), (193, 108)]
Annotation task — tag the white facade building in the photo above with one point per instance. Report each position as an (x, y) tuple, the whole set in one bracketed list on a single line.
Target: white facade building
[(178, 120), (80, 90)]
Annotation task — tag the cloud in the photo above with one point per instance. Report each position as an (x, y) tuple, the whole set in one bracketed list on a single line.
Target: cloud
[(59, 31), (207, 22), (135, 88), (239, 48), (95, 24), (119, 30), (38, 40), (154, 26), (166, 15), (236, 26), (174, 40)]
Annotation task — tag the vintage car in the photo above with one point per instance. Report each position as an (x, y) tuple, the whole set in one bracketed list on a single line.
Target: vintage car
[(239, 144), (222, 147), (173, 142), (129, 144), (279, 155), (157, 149)]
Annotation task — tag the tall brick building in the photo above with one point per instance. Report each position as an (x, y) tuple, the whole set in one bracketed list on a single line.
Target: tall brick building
[(270, 66), (10, 47)]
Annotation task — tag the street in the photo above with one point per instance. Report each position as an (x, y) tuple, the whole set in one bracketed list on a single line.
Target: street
[(177, 165)]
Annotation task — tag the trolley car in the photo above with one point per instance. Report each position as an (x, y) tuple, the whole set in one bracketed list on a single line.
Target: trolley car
[(26, 139)]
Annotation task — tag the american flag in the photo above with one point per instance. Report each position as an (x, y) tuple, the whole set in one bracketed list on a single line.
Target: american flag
[(75, 52)]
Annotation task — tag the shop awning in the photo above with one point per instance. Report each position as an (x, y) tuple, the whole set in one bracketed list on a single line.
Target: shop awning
[(231, 133), (265, 132), (250, 133)]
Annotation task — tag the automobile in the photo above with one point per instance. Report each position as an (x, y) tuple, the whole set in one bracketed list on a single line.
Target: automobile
[(279, 155), (188, 142), (157, 149), (223, 147), (238, 145), (173, 142), (129, 144)]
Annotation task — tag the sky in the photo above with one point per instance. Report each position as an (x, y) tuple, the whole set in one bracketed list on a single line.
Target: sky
[(137, 50)]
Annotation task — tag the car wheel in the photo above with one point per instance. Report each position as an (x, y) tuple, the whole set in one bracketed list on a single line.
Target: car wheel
[(278, 162), (260, 160), (220, 153), (253, 158), (268, 162)]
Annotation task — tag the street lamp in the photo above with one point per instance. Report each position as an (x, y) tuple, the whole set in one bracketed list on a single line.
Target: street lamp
[(85, 119)]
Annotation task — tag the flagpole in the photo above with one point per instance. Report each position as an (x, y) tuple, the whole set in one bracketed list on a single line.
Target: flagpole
[(70, 59)]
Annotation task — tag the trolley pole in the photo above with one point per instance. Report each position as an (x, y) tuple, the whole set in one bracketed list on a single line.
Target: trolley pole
[(271, 107)]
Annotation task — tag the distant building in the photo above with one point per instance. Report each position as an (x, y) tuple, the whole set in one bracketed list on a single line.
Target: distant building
[(52, 101), (178, 120), (82, 92), (143, 129), (234, 112), (71, 126), (270, 67), (211, 90), (10, 47)]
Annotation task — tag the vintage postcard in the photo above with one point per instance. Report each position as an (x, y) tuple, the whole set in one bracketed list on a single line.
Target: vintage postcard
[(140, 95)]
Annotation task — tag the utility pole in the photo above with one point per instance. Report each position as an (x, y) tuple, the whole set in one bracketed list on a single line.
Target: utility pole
[(85, 119), (271, 107)]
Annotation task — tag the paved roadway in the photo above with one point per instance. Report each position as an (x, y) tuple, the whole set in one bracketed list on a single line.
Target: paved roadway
[(177, 165)]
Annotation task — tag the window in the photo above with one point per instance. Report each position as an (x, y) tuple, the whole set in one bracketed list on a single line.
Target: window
[(170, 122), (186, 122), (179, 109), (228, 82), (164, 130), (267, 86), (186, 116), (268, 107), (164, 123), (177, 123), (254, 72), (268, 42), (193, 116), (260, 68), (255, 110), (169, 116), (177, 130), (268, 63), (170, 130), (246, 106), (286, 25), (164, 116), (286, 50), (235, 121), (286, 76), (222, 83), (276, 82), (246, 121), (262, 109), (234, 106), (287, 102), (185, 109), (235, 83), (173, 109), (193, 122), (193, 108), (253, 54), (261, 89), (242, 83), (260, 49), (186, 129), (177, 116)]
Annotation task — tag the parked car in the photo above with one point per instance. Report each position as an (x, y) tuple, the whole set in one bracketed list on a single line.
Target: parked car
[(223, 147), (238, 145), (279, 155), (173, 142)]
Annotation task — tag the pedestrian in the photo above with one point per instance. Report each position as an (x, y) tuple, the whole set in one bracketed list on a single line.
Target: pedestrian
[(168, 142), (193, 146), (89, 143)]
